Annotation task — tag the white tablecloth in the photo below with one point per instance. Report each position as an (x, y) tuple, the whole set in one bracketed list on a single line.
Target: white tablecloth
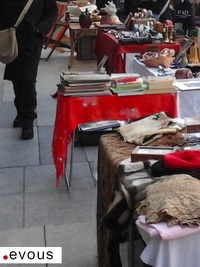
[(188, 102), (179, 252)]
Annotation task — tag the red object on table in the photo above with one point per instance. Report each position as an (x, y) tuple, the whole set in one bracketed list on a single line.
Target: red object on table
[(72, 111), (107, 44)]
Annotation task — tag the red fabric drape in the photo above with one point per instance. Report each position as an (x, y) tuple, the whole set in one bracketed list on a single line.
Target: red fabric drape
[(72, 111)]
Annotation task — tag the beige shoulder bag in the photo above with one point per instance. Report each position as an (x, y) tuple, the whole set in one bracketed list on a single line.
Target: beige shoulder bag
[(8, 40)]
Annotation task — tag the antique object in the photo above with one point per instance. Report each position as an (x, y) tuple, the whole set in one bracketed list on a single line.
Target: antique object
[(170, 33), (85, 20), (109, 19), (153, 59), (142, 153), (108, 14), (158, 26), (183, 73), (166, 34)]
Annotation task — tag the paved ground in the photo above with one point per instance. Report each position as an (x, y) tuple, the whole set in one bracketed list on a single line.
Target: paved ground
[(32, 211)]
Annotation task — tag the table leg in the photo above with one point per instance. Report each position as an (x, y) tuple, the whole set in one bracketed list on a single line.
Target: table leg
[(71, 154), (72, 44)]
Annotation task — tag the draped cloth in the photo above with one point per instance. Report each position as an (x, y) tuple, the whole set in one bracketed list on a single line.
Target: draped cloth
[(174, 200)]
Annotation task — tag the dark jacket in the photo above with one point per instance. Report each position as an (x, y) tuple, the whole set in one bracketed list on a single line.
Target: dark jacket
[(156, 7), (131, 6), (30, 34)]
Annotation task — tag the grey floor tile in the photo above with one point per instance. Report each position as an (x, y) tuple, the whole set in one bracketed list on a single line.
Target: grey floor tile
[(46, 110), (8, 94), (59, 207), (11, 180), (17, 152), (49, 70), (45, 134), (26, 237), (78, 242), (12, 211), (79, 154), (42, 178), (91, 152), (7, 114), (93, 169), (92, 157), (46, 87), (81, 175)]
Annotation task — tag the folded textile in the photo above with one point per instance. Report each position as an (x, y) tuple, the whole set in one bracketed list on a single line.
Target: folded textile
[(144, 131), (133, 177), (163, 230), (174, 200)]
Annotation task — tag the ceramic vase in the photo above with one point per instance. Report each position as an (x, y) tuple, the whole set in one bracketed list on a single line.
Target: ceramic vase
[(85, 20)]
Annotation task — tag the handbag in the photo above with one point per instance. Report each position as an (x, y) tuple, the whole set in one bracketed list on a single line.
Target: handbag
[(8, 40)]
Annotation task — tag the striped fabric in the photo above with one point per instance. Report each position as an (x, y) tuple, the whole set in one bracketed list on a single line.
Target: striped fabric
[(61, 11), (57, 32)]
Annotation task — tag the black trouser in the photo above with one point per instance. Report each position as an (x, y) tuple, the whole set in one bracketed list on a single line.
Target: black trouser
[(25, 101)]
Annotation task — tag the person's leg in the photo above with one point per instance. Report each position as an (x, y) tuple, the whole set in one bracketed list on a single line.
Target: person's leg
[(28, 102), (25, 102), (17, 91)]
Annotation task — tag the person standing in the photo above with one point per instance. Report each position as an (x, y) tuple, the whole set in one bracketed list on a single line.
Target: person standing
[(184, 15), (22, 72)]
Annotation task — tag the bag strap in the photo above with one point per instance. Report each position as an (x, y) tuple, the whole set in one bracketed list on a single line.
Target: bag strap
[(23, 13), (163, 9)]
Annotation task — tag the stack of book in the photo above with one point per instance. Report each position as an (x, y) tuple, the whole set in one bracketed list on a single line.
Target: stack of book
[(128, 85), (160, 85), (90, 84)]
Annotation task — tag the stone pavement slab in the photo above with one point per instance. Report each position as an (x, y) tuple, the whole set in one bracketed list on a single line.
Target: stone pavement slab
[(26, 237), (12, 211), (57, 207), (17, 152), (78, 243), (45, 134), (11, 180)]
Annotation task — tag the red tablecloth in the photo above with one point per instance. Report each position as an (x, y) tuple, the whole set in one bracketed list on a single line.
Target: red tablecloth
[(72, 111), (107, 44)]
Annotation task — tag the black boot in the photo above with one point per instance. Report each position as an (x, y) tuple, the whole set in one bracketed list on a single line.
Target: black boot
[(27, 132)]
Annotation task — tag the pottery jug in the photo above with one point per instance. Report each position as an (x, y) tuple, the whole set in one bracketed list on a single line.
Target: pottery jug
[(85, 20)]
